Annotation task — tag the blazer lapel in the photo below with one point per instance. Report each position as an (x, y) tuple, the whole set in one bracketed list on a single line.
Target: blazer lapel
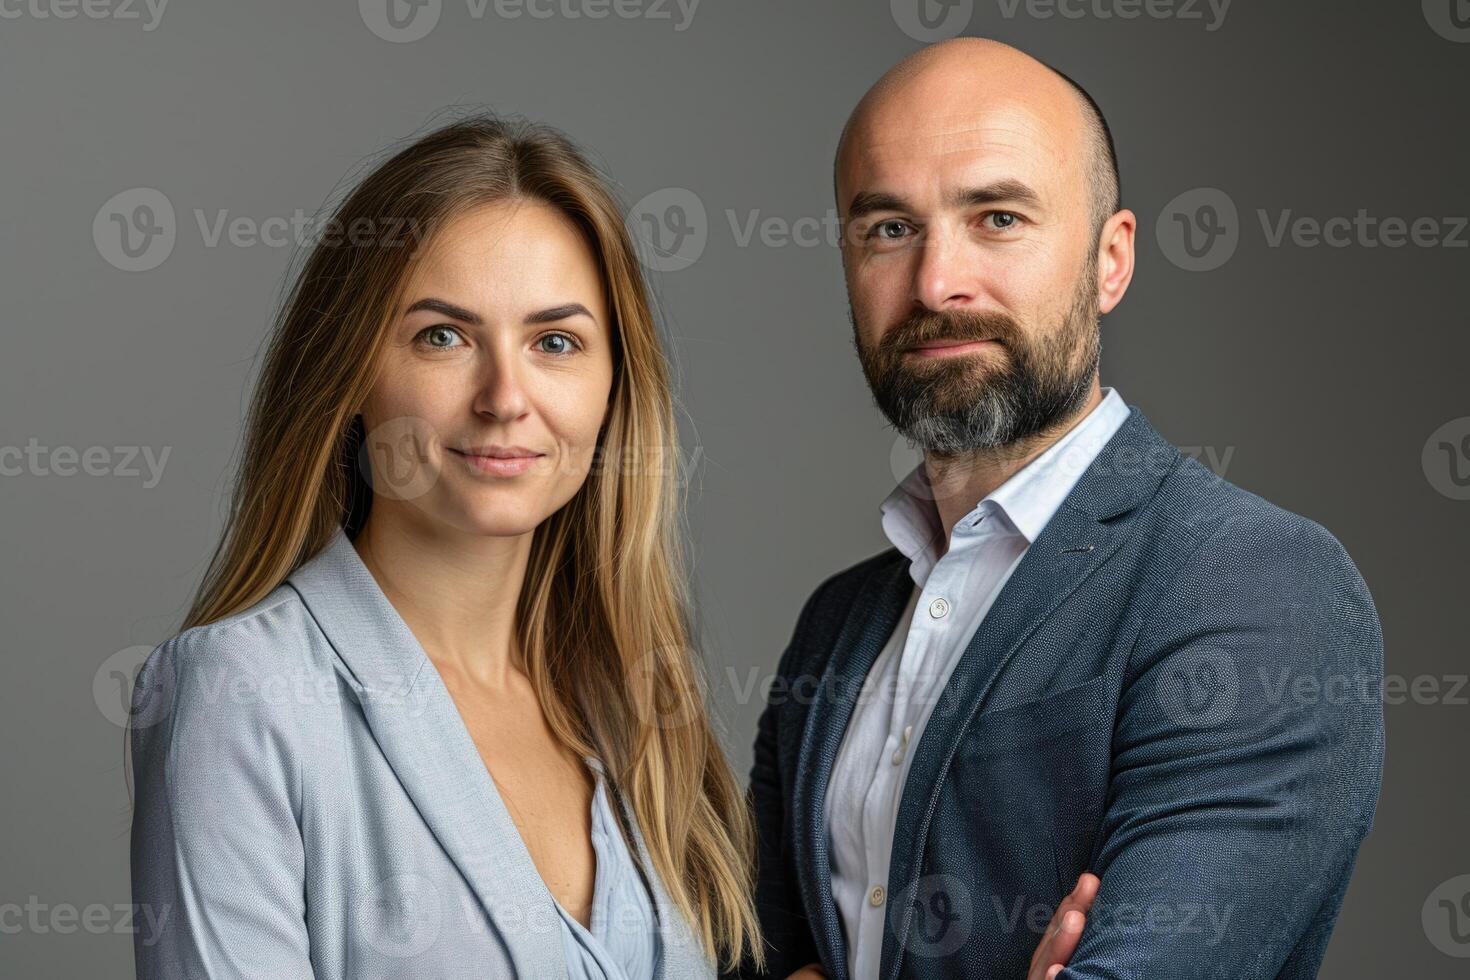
[(415, 722), (876, 610), (1080, 537)]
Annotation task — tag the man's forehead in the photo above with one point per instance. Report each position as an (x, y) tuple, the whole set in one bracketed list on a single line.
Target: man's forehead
[(933, 145)]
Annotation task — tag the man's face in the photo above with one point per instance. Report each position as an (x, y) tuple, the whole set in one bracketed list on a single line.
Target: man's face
[(971, 269)]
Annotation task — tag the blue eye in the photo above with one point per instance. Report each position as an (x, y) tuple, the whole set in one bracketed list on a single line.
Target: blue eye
[(881, 229), (561, 343), (438, 338)]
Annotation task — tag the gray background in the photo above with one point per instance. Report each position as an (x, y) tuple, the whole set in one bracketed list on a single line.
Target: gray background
[(1317, 376)]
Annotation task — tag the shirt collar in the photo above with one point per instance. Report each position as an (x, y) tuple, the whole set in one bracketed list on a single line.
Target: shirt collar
[(1028, 499)]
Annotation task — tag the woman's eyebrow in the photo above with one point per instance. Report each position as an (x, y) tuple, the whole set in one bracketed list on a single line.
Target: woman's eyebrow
[(562, 312), (447, 309), (549, 315)]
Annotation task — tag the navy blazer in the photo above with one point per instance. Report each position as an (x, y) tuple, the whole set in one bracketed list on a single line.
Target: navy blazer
[(1179, 689)]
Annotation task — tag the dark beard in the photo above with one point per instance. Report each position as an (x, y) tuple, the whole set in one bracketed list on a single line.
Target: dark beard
[(993, 398)]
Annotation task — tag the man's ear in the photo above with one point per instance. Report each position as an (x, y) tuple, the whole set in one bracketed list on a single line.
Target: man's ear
[(1115, 259)]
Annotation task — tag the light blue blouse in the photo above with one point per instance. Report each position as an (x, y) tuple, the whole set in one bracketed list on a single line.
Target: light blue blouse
[(622, 942)]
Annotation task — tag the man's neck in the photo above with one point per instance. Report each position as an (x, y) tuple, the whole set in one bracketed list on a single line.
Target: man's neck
[(959, 483)]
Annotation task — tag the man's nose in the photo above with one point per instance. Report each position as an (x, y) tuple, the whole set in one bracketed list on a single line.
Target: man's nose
[(947, 273)]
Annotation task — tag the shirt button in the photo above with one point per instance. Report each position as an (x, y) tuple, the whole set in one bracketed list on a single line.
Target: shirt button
[(908, 731), (875, 897), (898, 757), (939, 608)]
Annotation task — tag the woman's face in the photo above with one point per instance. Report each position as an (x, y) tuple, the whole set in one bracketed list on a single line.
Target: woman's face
[(496, 375)]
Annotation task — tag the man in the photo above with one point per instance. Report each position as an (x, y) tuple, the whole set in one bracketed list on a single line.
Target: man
[(1084, 650)]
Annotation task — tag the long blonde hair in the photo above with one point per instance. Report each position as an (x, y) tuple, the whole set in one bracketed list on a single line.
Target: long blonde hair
[(603, 618)]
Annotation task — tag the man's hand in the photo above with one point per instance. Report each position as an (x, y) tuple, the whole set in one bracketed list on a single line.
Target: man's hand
[(812, 971), (1059, 941)]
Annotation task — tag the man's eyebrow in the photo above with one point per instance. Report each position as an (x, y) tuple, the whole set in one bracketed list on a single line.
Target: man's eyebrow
[(1001, 191), (866, 202), (1007, 190), (548, 315)]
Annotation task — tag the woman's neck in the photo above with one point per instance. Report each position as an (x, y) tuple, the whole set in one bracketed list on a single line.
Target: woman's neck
[(457, 592)]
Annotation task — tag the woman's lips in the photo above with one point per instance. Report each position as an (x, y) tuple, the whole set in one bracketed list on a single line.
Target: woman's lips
[(950, 348), (499, 465)]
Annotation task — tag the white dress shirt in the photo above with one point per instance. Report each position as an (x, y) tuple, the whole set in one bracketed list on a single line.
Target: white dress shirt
[(951, 595)]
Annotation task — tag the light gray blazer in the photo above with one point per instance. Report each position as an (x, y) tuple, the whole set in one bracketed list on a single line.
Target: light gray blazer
[(309, 803)]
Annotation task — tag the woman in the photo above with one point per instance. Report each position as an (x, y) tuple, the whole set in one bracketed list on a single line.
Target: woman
[(434, 711)]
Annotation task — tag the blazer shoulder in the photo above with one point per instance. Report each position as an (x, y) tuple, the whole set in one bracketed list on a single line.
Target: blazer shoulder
[(275, 630), (258, 668), (1228, 522)]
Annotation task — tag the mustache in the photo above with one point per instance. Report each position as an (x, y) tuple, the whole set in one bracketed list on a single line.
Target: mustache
[(927, 326)]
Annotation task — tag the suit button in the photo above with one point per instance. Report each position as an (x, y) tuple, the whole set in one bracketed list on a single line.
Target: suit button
[(875, 897), (939, 608)]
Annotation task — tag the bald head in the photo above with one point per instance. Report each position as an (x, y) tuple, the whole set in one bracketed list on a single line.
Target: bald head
[(970, 84)]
